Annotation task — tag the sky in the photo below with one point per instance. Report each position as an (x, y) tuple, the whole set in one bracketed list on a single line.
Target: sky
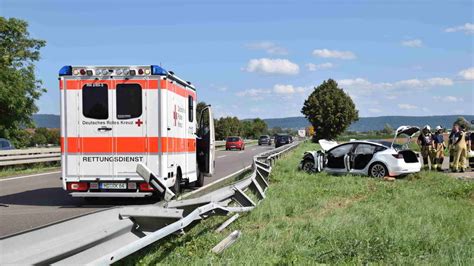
[(263, 58)]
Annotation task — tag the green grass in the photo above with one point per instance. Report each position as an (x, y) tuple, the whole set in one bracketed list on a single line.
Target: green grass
[(27, 169), (308, 219)]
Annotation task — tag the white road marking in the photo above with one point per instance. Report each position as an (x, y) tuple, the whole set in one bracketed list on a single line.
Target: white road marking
[(25, 176), (241, 151), (222, 156), (254, 149)]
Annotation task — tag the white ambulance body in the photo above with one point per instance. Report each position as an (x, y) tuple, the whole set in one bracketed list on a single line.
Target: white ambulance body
[(114, 117)]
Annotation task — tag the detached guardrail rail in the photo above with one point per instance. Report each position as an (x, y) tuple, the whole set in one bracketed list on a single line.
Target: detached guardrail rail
[(107, 236), (28, 156)]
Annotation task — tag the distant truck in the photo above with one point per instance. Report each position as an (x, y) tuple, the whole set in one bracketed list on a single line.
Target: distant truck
[(115, 117)]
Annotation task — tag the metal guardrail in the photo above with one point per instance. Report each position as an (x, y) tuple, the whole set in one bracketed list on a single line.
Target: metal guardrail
[(105, 237), (39, 155), (28, 156)]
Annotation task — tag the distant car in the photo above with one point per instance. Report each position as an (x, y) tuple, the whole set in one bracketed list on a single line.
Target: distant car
[(281, 140), (234, 143), (373, 158), (265, 139), (6, 145)]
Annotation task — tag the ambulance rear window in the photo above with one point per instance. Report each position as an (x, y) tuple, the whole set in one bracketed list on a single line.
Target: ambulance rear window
[(95, 101), (129, 101)]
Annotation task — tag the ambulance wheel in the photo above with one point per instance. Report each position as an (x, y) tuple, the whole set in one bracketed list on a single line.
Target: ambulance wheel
[(177, 184), (200, 179)]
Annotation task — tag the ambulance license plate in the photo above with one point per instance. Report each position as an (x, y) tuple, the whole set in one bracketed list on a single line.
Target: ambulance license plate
[(113, 185)]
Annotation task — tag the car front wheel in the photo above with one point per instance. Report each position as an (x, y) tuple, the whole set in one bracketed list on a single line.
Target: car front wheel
[(378, 170), (308, 166)]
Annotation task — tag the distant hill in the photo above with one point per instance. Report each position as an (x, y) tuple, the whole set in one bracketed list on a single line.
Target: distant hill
[(374, 123), (364, 123), (48, 121)]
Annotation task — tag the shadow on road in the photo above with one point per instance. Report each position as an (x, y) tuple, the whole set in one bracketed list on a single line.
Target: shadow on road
[(60, 198)]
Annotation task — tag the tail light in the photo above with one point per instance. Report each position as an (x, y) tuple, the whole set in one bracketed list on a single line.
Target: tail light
[(78, 186), (82, 71), (398, 155), (140, 71), (145, 187)]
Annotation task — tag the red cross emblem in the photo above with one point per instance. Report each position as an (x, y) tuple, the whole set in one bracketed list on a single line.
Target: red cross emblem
[(175, 115), (139, 122)]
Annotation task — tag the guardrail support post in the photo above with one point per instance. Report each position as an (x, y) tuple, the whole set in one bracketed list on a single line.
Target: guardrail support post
[(242, 198)]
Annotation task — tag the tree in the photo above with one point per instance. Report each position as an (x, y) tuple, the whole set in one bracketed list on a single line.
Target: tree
[(462, 122), (259, 127), (330, 110), (19, 86), (199, 107), (387, 129), (40, 137)]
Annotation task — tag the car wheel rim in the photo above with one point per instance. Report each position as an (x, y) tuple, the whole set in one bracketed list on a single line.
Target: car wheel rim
[(308, 166), (378, 171)]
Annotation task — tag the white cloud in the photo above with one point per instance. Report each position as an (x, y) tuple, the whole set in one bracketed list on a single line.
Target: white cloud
[(406, 106), (467, 74), (252, 93), (269, 47), (415, 43), (222, 89), (325, 53), (375, 110), (467, 28), (361, 83), (314, 67), (272, 66), (448, 99), (424, 83), (287, 89)]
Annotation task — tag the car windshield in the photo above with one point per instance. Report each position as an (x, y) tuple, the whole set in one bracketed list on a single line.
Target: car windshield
[(282, 138), (263, 137), (232, 139)]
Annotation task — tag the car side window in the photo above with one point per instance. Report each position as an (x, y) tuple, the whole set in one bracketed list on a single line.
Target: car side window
[(341, 150), (365, 149)]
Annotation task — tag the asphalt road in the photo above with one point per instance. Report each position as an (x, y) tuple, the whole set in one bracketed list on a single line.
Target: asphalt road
[(38, 200)]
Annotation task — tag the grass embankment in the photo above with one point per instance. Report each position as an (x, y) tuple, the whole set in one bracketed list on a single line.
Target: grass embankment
[(28, 169), (308, 219)]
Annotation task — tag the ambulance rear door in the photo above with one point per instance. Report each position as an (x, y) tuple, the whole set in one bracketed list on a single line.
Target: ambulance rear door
[(90, 142), (132, 143)]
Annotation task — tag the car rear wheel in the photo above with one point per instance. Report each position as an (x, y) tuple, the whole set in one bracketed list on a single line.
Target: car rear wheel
[(378, 170)]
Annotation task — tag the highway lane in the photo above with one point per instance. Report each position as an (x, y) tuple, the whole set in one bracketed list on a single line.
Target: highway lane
[(34, 201)]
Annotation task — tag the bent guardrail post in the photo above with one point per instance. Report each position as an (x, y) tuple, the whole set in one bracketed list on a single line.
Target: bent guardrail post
[(155, 182)]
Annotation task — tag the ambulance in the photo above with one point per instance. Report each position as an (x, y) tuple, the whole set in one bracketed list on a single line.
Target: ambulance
[(115, 117)]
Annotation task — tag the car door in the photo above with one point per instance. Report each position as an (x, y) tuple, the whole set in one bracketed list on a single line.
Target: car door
[(206, 142), (337, 158), (362, 155)]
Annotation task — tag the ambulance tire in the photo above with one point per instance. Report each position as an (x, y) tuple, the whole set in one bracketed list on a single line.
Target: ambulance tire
[(177, 184), (200, 179)]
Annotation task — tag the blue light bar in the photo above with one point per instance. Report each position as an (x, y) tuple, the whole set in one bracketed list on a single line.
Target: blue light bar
[(157, 70), (65, 71)]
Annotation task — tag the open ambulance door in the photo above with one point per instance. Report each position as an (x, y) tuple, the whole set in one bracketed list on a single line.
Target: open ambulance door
[(206, 142)]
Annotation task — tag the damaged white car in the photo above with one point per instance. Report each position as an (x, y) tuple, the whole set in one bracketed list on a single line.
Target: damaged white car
[(373, 157)]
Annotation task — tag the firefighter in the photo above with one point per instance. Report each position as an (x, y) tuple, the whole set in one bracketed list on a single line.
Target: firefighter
[(460, 151), (439, 146), (425, 141), (451, 140)]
